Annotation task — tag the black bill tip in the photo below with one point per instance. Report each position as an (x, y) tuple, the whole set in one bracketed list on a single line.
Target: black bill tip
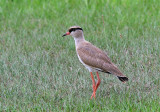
[(64, 35), (68, 33)]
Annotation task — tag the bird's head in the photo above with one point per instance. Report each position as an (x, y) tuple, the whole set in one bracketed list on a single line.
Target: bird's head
[(74, 31)]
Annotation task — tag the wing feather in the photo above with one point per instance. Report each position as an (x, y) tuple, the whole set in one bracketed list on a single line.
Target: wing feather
[(96, 58)]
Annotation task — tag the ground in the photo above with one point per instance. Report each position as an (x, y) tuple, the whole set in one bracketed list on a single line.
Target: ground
[(40, 71)]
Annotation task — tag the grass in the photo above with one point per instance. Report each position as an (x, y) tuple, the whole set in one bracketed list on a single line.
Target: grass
[(39, 69)]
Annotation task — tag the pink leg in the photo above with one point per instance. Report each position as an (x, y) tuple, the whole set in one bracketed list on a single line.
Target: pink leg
[(93, 85), (98, 83)]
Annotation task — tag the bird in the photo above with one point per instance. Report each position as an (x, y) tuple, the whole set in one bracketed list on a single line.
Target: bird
[(93, 58)]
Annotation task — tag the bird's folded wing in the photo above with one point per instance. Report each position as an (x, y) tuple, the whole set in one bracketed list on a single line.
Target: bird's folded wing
[(96, 58)]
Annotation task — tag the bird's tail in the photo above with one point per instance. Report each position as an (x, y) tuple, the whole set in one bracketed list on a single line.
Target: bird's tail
[(123, 79), (112, 69)]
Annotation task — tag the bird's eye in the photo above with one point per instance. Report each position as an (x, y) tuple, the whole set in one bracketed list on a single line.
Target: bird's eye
[(73, 29)]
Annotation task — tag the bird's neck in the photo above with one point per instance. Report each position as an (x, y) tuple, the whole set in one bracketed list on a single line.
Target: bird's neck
[(79, 40)]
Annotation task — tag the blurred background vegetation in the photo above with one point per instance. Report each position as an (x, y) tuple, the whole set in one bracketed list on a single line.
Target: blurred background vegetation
[(39, 69)]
